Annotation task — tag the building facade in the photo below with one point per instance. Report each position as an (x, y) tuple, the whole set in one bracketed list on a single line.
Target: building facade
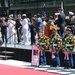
[(31, 7), (4, 7)]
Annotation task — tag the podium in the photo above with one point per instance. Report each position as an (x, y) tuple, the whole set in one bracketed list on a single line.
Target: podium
[(48, 30)]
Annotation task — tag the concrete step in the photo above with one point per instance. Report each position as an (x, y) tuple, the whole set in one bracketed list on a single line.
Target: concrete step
[(5, 57), (7, 53), (7, 49)]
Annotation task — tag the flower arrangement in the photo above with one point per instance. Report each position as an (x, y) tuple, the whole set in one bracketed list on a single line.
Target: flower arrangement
[(56, 43), (44, 42), (68, 43)]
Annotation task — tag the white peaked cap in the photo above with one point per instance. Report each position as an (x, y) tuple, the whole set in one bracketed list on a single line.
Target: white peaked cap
[(57, 13), (24, 15), (11, 15), (71, 13), (3, 18)]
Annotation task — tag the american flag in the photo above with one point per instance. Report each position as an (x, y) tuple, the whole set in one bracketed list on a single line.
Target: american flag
[(44, 12)]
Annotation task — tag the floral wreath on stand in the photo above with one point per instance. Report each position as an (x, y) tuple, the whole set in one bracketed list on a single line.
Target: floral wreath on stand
[(56, 43), (45, 40), (68, 46), (68, 43)]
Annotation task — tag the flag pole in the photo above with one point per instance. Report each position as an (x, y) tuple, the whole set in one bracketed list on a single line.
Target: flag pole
[(44, 12)]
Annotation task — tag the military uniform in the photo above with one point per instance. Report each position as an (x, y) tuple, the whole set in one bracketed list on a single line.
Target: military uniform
[(71, 22), (25, 29), (11, 29)]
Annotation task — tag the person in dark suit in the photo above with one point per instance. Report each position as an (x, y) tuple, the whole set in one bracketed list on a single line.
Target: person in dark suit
[(61, 22), (3, 26), (18, 28), (33, 31)]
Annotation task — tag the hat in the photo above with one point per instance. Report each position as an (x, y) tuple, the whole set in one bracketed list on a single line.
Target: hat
[(57, 13), (3, 18), (68, 29), (71, 13), (33, 18), (11, 15), (54, 29), (38, 15), (51, 17), (24, 15), (18, 15)]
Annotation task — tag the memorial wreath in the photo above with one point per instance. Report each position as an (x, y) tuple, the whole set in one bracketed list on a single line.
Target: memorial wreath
[(56, 43)]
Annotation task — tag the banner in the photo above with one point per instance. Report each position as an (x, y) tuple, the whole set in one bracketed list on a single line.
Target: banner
[(35, 55)]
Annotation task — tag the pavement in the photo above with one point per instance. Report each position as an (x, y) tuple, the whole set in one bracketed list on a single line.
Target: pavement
[(46, 68)]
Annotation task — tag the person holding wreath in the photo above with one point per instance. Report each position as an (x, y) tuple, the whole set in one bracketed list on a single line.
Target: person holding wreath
[(68, 48), (43, 43), (55, 47)]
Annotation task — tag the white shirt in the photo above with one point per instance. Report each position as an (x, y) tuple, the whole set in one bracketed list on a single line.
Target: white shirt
[(11, 26), (25, 23), (44, 23), (11, 23)]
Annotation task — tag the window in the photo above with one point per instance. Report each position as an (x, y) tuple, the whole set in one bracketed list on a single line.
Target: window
[(2, 3)]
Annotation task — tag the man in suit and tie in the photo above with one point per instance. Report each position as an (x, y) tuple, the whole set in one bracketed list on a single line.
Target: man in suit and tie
[(61, 22), (18, 28)]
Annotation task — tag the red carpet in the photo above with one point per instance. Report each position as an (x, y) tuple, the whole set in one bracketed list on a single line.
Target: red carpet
[(10, 70)]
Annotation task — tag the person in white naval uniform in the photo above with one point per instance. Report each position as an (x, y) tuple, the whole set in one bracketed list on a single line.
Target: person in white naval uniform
[(11, 29), (25, 29)]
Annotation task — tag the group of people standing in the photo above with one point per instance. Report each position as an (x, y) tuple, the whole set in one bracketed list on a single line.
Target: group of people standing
[(10, 27), (60, 49), (62, 41), (23, 26), (36, 26)]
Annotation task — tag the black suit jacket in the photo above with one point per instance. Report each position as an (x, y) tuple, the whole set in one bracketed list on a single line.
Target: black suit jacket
[(18, 24), (61, 21), (3, 28)]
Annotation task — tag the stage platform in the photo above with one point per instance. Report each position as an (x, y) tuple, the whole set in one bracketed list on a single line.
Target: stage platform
[(17, 46), (21, 52), (24, 53)]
